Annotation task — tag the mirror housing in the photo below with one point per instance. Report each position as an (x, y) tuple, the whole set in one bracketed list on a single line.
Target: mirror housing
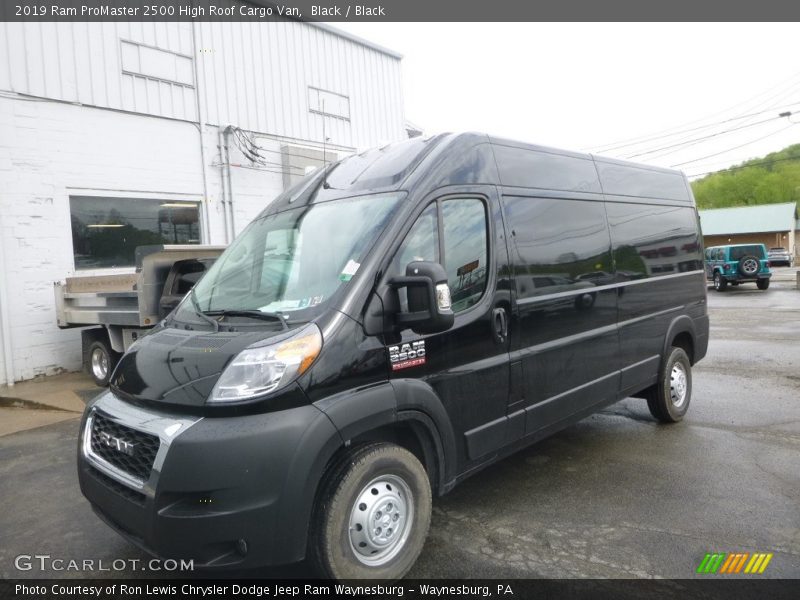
[(429, 304)]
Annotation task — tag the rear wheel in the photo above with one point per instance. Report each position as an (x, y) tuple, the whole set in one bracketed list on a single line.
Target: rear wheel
[(669, 399), (372, 515), (720, 283), (102, 360), (762, 284)]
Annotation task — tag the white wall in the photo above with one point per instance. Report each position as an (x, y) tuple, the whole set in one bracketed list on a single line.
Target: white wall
[(49, 151)]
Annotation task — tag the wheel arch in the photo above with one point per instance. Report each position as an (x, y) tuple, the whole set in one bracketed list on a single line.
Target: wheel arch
[(681, 333), (405, 412)]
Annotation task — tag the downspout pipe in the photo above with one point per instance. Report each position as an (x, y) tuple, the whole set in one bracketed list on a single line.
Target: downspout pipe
[(223, 176), (226, 134), (5, 324), (201, 121)]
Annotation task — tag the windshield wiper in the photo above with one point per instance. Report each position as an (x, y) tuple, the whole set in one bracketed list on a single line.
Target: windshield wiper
[(200, 313), (253, 313)]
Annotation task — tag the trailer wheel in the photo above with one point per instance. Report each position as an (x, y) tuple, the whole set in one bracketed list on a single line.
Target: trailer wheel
[(102, 360)]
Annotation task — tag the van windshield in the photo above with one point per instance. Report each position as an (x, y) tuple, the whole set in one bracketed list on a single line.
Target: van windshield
[(292, 262)]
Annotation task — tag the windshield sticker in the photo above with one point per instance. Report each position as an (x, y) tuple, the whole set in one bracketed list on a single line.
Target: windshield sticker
[(349, 270), (316, 300), (281, 305), (407, 355)]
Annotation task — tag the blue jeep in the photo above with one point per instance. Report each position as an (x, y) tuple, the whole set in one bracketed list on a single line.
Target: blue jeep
[(738, 263)]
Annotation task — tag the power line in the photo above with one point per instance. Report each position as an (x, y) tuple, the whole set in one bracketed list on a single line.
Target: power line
[(763, 137), (702, 139), (262, 149), (647, 137), (699, 128)]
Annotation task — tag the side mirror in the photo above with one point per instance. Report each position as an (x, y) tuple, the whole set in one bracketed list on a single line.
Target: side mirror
[(429, 305)]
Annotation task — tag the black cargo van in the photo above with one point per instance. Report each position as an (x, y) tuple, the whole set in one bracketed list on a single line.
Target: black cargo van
[(385, 329)]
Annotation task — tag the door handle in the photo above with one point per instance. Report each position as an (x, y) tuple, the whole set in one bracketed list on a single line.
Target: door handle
[(500, 324)]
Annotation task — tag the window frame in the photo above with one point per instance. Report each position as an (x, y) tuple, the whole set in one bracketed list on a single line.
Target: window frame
[(438, 201)]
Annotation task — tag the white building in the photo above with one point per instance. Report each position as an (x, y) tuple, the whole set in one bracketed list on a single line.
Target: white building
[(181, 131)]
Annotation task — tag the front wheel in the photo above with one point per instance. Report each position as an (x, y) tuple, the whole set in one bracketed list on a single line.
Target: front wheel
[(372, 515), (762, 284), (720, 283), (669, 399)]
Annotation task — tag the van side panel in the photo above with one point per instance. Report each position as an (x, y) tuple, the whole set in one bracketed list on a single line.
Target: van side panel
[(658, 263), (642, 182), (564, 327)]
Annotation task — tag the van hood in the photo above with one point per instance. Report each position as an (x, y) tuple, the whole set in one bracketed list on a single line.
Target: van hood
[(177, 366)]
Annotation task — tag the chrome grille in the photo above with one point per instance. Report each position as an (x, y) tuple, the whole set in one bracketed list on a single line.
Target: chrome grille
[(127, 449)]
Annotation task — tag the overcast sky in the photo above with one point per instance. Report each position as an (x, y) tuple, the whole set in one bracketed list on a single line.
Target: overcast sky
[(581, 86)]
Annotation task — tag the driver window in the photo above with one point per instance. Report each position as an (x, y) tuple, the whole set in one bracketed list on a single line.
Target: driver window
[(421, 243)]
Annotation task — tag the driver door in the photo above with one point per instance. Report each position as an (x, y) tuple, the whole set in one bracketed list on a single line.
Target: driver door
[(467, 366)]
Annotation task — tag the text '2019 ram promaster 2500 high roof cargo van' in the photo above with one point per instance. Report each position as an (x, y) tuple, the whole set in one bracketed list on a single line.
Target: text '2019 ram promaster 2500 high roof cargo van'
[(383, 330)]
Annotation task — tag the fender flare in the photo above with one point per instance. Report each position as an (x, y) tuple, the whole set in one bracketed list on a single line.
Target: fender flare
[(417, 399), (680, 324), (355, 412), (345, 416)]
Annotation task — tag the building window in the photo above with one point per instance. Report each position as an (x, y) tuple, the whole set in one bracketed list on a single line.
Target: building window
[(106, 231), (154, 63), (328, 103)]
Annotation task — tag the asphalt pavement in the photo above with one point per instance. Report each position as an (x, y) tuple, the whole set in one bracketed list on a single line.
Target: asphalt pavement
[(616, 495)]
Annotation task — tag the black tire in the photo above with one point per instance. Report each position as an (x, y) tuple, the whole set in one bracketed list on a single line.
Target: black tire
[(669, 399), (749, 266), (374, 474), (720, 283), (101, 360), (762, 284)]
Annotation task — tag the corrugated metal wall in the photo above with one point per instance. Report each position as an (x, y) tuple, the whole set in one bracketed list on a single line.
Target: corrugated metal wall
[(252, 75)]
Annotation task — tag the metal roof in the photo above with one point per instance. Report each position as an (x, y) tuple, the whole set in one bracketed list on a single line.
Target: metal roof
[(355, 38), (749, 219)]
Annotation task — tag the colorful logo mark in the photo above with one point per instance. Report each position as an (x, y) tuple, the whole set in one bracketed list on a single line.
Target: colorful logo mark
[(734, 562)]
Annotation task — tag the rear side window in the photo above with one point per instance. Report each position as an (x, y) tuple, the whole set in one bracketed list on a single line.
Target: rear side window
[(739, 252), (462, 249), (557, 245), (650, 240)]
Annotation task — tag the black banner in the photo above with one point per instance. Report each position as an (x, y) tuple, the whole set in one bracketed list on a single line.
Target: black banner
[(711, 588), (399, 10)]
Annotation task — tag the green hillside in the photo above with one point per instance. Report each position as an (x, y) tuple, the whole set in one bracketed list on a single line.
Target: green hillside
[(773, 178)]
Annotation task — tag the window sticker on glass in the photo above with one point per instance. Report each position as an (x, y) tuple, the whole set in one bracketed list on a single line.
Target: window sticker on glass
[(349, 270), (282, 306)]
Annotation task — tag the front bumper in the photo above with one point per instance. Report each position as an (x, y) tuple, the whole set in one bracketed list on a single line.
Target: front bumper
[(221, 491)]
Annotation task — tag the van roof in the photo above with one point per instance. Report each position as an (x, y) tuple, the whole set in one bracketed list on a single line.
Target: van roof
[(476, 158)]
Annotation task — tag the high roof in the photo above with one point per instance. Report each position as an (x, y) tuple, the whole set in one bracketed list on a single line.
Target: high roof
[(749, 219)]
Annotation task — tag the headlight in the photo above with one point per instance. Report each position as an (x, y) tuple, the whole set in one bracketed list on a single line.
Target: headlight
[(262, 369)]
